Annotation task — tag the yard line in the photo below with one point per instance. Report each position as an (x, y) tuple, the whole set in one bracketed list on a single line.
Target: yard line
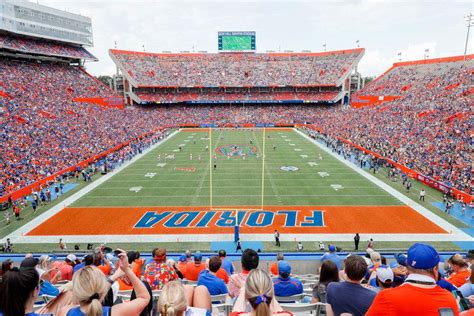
[(239, 195)]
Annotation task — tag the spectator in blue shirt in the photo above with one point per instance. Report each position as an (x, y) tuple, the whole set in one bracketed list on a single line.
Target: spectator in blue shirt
[(332, 256), (87, 261), (284, 285), (226, 263), (209, 279)]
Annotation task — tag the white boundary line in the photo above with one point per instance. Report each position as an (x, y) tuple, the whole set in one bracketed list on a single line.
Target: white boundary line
[(18, 235), (454, 235)]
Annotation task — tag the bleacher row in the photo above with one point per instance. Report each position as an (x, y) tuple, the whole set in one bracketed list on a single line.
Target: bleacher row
[(415, 282)]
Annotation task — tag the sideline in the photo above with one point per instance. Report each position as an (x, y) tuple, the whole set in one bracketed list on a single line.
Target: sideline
[(17, 236), (455, 234)]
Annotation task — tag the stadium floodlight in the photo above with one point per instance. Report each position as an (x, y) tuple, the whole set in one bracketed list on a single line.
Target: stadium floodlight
[(470, 22)]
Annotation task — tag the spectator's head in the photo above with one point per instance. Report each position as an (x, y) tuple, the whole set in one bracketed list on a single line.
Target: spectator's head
[(19, 290), (355, 268), (89, 288), (222, 253), (384, 277), (457, 262), (401, 259), (6, 266), (197, 258), (29, 263), (215, 264), (132, 256), (88, 260), (280, 256), (423, 259), (249, 259), (375, 258), (183, 258), (332, 248), (159, 254), (71, 259), (188, 254), (259, 292), (172, 301), (284, 269), (329, 272)]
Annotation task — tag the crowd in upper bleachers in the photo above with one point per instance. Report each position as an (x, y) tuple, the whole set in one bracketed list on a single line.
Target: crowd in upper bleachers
[(235, 70), (42, 47), (106, 282)]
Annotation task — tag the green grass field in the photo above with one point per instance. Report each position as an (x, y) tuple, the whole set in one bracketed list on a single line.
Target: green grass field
[(237, 181)]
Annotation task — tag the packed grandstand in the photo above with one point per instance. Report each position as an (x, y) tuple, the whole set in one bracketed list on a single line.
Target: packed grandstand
[(56, 120)]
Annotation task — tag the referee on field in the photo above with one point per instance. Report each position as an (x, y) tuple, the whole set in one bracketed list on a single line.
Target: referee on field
[(277, 238)]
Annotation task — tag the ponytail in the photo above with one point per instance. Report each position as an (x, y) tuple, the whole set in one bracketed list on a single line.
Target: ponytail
[(94, 308), (261, 305), (169, 310)]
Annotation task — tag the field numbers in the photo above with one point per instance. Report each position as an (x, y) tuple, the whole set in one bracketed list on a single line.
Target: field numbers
[(150, 175), (298, 149), (312, 163), (304, 156), (337, 187), (162, 164), (324, 174), (135, 189)]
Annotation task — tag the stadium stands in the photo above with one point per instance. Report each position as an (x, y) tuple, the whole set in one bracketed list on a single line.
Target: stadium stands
[(42, 47)]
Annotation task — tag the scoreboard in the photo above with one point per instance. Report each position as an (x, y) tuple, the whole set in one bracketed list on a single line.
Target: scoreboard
[(236, 41)]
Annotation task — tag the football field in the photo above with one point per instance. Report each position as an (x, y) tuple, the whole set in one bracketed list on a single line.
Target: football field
[(201, 183)]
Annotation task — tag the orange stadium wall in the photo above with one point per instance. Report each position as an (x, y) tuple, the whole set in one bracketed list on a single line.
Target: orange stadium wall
[(460, 195)]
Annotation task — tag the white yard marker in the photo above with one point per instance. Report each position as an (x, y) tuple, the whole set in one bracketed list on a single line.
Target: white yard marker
[(337, 187), (150, 174), (190, 136), (298, 149), (291, 144), (324, 174), (135, 189), (162, 164), (186, 140), (304, 156), (287, 140), (284, 136), (312, 163), (175, 150)]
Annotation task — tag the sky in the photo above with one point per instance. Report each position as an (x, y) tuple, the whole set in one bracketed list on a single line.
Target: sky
[(384, 28)]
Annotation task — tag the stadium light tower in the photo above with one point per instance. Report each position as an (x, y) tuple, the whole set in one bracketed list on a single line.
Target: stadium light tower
[(470, 22)]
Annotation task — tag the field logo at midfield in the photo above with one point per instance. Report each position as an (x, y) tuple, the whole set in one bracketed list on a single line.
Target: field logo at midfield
[(289, 168), (237, 150)]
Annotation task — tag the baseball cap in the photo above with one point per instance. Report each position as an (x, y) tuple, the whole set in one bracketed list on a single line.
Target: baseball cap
[(422, 256), (375, 257), (183, 258), (401, 259), (384, 274), (284, 268), (332, 248), (71, 257), (197, 256), (29, 262)]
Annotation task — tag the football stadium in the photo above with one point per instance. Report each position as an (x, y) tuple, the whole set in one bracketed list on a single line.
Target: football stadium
[(230, 182)]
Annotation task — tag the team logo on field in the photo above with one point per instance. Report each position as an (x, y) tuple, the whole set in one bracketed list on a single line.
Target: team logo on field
[(289, 168), (237, 150)]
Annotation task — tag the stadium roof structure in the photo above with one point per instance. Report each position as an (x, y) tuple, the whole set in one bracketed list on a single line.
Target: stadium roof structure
[(241, 70)]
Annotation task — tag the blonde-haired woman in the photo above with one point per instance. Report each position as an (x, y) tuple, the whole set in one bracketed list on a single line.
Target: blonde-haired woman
[(259, 294), (176, 299), (90, 286)]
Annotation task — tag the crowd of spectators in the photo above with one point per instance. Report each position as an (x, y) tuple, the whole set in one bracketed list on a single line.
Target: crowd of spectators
[(43, 47), (108, 282), (235, 70)]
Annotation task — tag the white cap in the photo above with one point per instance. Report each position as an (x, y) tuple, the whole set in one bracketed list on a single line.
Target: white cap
[(384, 274), (71, 257)]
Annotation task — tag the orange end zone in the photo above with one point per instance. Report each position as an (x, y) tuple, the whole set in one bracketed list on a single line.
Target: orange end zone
[(201, 220)]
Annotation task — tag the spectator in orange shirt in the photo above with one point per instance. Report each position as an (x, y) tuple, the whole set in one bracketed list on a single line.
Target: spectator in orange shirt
[(182, 264), (194, 268), (274, 266), (419, 295), (65, 268), (221, 273), (136, 262), (101, 262), (461, 273)]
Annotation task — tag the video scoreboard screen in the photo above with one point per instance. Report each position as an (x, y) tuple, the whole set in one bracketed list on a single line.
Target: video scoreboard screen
[(236, 41)]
